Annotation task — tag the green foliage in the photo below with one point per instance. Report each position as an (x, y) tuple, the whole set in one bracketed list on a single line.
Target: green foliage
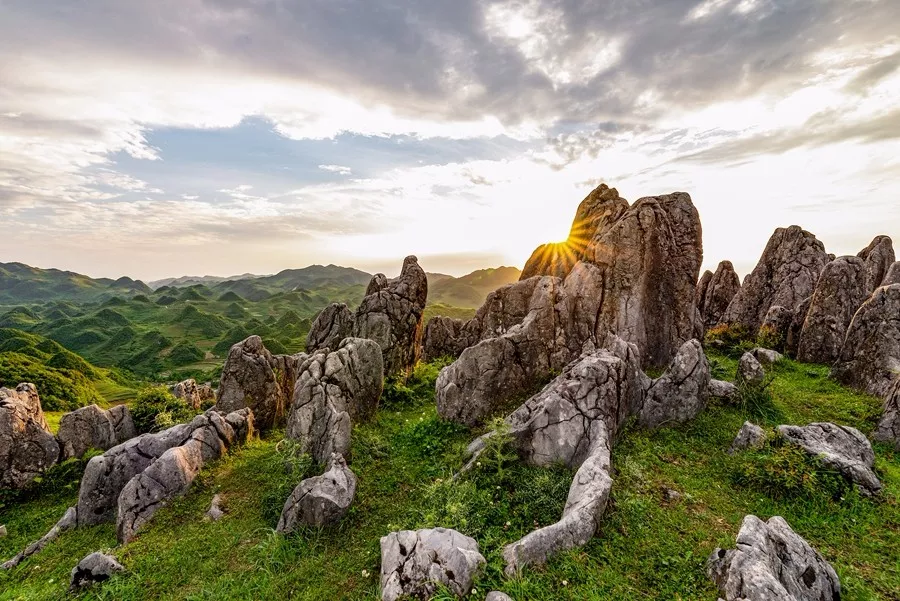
[(289, 466), (770, 338), (63, 478), (185, 353), (156, 409), (731, 339), (498, 451), (60, 389)]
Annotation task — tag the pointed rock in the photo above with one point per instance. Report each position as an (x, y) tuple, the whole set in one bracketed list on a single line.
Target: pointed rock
[(878, 257)]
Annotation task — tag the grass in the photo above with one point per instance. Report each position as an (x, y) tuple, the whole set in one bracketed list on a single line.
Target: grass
[(647, 548)]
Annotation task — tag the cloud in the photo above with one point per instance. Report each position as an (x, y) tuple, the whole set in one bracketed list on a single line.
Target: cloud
[(339, 169)]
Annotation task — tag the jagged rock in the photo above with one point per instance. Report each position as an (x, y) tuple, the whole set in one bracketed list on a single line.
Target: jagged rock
[(893, 275), (776, 326), (772, 563), (681, 392), (215, 511), (766, 357), (443, 338), (27, 448), (888, 429), (94, 428), (878, 257), (329, 328), (720, 389), (67, 522), (750, 436), (206, 393), (841, 290), (332, 389), (189, 391), (870, 357), (787, 273), (94, 569), (750, 371), (722, 287), (320, 500), (800, 312), (497, 596), (172, 474), (843, 448), (249, 381), (415, 563)]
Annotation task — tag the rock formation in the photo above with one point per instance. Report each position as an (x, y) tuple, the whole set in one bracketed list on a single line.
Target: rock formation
[(719, 389), (329, 328), (443, 338), (195, 395), (680, 394), (415, 563), (320, 500), (870, 357), (877, 257), (841, 290), (772, 563), (331, 390), (792, 342), (94, 428), (787, 273), (842, 448), (93, 569), (27, 448), (893, 275), (750, 436), (888, 430), (776, 326), (721, 288)]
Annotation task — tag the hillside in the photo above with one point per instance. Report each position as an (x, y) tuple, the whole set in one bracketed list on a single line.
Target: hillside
[(24, 284), (469, 291)]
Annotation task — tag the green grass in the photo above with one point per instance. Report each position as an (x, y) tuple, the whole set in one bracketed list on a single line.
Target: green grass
[(647, 547)]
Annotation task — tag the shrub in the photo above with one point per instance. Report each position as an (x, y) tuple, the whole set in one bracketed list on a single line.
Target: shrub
[(732, 339), (770, 338), (784, 471), (156, 409), (756, 401)]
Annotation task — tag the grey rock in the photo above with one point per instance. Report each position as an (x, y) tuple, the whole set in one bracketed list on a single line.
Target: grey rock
[(320, 500), (27, 448), (750, 371), (702, 288), (329, 328), (680, 394), (94, 569), (215, 511), (772, 563), (878, 257), (123, 424), (94, 428), (671, 495), (332, 390), (414, 563), (719, 389), (841, 290), (766, 357), (800, 312), (842, 448), (497, 596), (893, 275), (870, 357), (189, 391), (722, 287), (249, 380), (787, 273), (750, 436), (888, 430), (443, 338), (67, 522)]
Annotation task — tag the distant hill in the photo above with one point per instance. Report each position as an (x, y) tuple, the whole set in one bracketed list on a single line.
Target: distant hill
[(191, 280), (469, 291), (20, 283)]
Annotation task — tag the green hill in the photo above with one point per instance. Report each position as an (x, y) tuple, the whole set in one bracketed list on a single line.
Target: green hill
[(469, 291), (21, 283)]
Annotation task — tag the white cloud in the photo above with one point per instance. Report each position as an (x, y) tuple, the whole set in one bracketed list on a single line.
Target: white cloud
[(339, 169)]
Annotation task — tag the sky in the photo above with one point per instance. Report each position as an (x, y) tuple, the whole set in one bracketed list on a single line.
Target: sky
[(220, 137)]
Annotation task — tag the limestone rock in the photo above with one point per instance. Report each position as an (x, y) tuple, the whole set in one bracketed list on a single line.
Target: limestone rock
[(329, 328), (189, 391), (94, 428), (414, 563), (320, 500), (720, 389), (497, 596), (870, 357), (123, 424), (27, 448), (842, 448), (249, 381), (722, 287), (888, 430), (3, 531), (841, 290), (443, 338), (681, 392), (893, 275), (750, 371), (878, 257), (93, 569), (67, 522), (766, 357), (332, 389), (787, 273), (800, 312), (772, 563), (702, 287), (750, 436)]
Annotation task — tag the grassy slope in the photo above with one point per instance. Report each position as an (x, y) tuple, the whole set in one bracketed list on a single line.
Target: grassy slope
[(647, 548)]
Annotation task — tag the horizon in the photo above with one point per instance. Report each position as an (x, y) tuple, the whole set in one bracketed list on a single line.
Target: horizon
[(153, 140)]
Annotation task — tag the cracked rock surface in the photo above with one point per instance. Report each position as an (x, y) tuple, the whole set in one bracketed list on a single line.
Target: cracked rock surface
[(415, 562), (893, 275), (714, 295), (750, 436), (93, 569), (842, 448), (27, 448), (94, 428), (332, 390), (772, 563), (320, 500), (330, 327), (721, 389), (888, 429), (680, 394), (194, 394)]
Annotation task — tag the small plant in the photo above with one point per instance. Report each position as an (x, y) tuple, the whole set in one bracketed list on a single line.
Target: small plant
[(498, 450), (156, 409), (784, 471), (756, 400), (397, 395), (770, 338), (732, 339)]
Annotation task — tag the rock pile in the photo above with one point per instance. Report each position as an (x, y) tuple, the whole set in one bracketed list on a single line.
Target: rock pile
[(27, 448)]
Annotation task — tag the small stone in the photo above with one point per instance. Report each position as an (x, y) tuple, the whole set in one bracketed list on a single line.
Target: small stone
[(215, 512), (3, 531), (750, 436), (497, 596), (720, 389), (93, 569), (671, 495)]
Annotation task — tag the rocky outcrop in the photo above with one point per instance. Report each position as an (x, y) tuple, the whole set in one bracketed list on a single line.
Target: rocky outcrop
[(329, 328), (772, 563), (787, 273), (27, 448), (750, 371), (320, 500), (842, 448), (750, 436), (188, 391), (721, 288), (333, 390), (776, 326), (877, 258), (249, 380), (680, 394), (94, 428), (893, 275), (841, 290), (792, 343), (93, 569), (870, 357), (443, 338), (888, 430), (415, 563)]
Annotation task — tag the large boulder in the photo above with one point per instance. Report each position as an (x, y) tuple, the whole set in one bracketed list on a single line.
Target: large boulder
[(841, 290), (333, 390), (443, 338), (320, 500), (718, 292), (787, 273), (249, 380), (888, 430), (877, 257), (842, 448), (94, 428), (329, 328), (870, 357), (93, 569), (27, 448), (771, 562), (792, 342), (415, 562), (680, 394)]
